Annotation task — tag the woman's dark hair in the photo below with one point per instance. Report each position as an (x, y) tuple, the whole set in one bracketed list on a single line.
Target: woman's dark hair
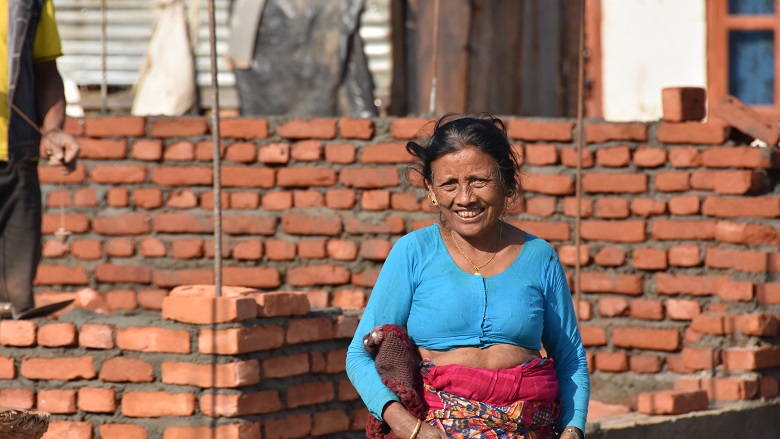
[(455, 132)]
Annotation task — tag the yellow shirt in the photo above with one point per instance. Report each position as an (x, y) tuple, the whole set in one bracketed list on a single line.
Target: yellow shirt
[(46, 47)]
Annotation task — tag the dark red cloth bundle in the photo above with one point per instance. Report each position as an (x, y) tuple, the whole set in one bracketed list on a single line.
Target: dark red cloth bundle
[(398, 363)]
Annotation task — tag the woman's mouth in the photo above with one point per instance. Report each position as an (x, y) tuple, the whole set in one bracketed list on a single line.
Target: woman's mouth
[(468, 213)]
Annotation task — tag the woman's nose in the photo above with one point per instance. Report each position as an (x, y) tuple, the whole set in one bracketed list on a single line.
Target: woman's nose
[(465, 193)]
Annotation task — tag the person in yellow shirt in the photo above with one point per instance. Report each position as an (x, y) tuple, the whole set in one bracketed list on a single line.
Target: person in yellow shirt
[(32, 114)]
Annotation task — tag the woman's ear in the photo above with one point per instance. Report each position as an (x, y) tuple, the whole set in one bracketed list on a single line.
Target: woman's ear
[(431, 195)]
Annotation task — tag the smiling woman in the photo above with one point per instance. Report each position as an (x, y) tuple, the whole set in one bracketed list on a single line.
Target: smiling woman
[(478, 298)]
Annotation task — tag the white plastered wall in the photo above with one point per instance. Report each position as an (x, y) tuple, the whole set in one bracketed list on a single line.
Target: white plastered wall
[(648, 45)]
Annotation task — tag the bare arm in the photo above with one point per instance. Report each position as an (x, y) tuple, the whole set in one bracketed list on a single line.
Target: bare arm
[(50, 103)]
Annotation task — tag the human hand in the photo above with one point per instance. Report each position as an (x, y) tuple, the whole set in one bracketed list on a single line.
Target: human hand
[(61, 148), (428, 431), (571, 433), (373, 339)]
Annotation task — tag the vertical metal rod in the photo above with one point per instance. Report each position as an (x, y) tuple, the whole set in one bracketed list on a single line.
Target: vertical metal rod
[(435, 66), (217, 156), (104, 69), (578, 178)]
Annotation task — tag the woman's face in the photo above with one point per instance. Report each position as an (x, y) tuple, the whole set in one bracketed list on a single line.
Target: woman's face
[(467, 188)]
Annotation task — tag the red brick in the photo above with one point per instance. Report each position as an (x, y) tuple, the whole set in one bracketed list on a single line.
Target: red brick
[(309, 330), (69, 429), (671, 402), (178, 127), (768, 387), (684, 157), (717, 324), (599, 182), (612, 361), (644, 363), (287, 366), (349, 299), (649, 157), (749, 261), (610, 256), (224, 375), (570, 207), (409, 128), (614, 231), (306, 199), (551, 231), (19, 333), (612, 208), (243, 430), (541, 154), (157, 404), (392, 152), (646, 338), (685, 255), (241, 152), (647, 309), (593, 336), (274, 153), (182, 176), (696, 358), (569, 158), (677, 230), (54, 335), (750, 359), (120, 431), (153, 340), (115, 126), (57, 401), (244, 200), (120, 247), (370, 178), (96, 336), (613, 306), (310, 393), (683, 104), (737, 157), (373, 200), (53, 175), (234, 405), (307, 129), (294, 426), (121, 369), (391, 225), (682, 309), (74, 126), (741, 233), (646, 207), (594, 282), (121, 300), (736, 291), (721, 388), (102, 149), (356, 128), (756, 207), (568, 255), (95, 400), (19, 398), (340, 153), (329, 422), (278, 250), (684, 205), (768, 293), (307, 151), (708, 133), (64, 369), (548, 184), (115, 174), (375, 249), (745, 119), (540, 130), (606, 131), (763, 325), (240, 340), (208, 310), (649, 259), (613, 156), (147, 150), (61, 275), (241, 128), (109, 273)]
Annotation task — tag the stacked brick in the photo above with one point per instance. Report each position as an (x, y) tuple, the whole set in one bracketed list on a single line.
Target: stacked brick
[(680, 227), (233, 367)]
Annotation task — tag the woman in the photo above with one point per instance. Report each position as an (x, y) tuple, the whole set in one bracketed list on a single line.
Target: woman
[(476, 296)]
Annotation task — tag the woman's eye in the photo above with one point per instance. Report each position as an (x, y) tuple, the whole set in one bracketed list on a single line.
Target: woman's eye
[(448, 186), (479, 183)]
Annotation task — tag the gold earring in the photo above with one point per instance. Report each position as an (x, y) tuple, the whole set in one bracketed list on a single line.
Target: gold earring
[(434, 202)]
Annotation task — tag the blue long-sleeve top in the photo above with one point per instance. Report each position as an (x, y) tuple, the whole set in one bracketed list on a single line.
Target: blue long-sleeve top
[(443, 308)]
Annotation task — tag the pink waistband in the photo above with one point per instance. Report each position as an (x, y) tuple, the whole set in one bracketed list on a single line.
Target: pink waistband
[(533, 381)]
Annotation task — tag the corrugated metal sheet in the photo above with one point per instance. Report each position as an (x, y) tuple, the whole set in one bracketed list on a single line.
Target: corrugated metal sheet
[(128, 29)]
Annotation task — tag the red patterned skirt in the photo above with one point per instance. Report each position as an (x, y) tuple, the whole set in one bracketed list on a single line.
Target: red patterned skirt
[(517, 403)]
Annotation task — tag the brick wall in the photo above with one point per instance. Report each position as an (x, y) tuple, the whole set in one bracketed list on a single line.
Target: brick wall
[(680, 227), (214, 372)]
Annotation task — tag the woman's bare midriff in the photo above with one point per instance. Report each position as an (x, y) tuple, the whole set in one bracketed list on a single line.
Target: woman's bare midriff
[(501, 356)]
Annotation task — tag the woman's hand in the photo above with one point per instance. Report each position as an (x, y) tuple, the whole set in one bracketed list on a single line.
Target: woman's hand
[(572, 433), (373, 339), (428, 431)]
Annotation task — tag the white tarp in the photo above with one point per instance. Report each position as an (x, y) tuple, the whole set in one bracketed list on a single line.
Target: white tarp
[(166, 84)]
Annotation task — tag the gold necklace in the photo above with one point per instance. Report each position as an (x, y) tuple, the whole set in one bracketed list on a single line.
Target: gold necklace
[(476, 267)]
